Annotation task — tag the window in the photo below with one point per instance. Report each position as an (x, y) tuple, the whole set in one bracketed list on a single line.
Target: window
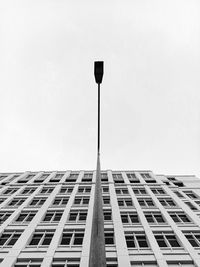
[(150, 181), (197, 202), (60, 262), (15, 202), (139, 191), (144, 264), (178, 194), (158, 191), (10, 191), (111, 262), (118, 179), (66, 190), (132, 178), (191, 195), (25, 217), (105, 189), (26, 179), (81, 201), (4, 216), (3, 177), (53, 216), (72, 238), (136, 240), (125, 202), (147, 203), (106, 200), (167, 240), (37, 201), (87, 177), (60, 201), (72, 178), (28, 190), (41, 238), (193, 238), (9, 238), (146, 176), (13, 178), (179, 217), (41, 178), (180, 264), (56, 178), (109, 237), (178, 183), (104, 177), (28, 262), (84, 189), (171, 178), (107, 215), (2, 200), (46, 190), (129, 218), (192, 207), (77, 216), (167, 203), (121, 191), (154, 217)]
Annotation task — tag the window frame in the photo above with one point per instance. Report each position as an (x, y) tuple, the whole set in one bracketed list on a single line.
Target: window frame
[(165, 237), (52, 214), (134, 237), (154, 216), (11, 238), (75, 234), (128, 215), (42, 239)]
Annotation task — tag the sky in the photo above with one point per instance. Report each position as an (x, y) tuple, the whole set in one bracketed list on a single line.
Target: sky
[(150, 95)]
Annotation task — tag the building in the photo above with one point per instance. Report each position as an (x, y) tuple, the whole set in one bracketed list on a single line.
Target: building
[(149, 220)]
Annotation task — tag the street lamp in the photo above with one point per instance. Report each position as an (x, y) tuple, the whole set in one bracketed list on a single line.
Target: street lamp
[(98, 73), (97, 257)]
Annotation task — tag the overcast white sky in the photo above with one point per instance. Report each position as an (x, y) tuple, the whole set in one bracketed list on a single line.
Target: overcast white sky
[(150, 91)]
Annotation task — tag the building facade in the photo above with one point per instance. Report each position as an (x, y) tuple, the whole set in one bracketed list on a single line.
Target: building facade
[(149, 220)]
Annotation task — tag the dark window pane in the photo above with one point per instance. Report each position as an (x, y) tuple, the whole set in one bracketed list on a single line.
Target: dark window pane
[(13, 239), (36, 239), (109, 238), (124, 218), (66, 238), (4, 238), (134, 218), (159, 218), (78, 239), (130, 241), (161, 241), (47, 239), (184, 218), (142, 241), (174, 217), (172, 240), (149, 218)]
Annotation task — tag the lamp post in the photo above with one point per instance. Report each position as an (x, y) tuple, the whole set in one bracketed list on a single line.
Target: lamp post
[(97, 257)]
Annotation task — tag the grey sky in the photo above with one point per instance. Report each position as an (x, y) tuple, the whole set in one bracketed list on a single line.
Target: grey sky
[(150, 91)]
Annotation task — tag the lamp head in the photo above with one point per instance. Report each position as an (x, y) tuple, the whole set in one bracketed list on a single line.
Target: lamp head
[(98, 71)]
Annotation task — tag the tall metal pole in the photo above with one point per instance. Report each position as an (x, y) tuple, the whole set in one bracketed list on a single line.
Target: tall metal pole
[(97, 256)]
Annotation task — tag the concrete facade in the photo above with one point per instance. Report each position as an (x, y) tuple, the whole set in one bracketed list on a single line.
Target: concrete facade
[(149, 220)]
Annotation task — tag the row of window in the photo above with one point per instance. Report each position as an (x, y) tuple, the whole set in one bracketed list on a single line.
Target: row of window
[(110, 262), (84, 200), (71, 238), (79, 216), (117, 177), (82, 189)]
